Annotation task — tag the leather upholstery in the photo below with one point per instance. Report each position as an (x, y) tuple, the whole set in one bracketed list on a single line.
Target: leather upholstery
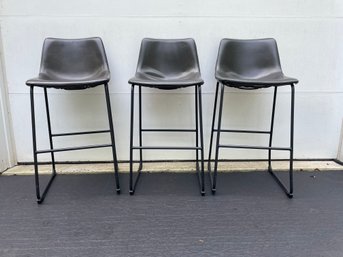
[(72, 64), (250, 64), (167, 64)]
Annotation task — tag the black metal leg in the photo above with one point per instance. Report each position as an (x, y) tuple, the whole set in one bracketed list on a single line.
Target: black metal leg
[(271, 131), (196, 128), (288, 192), (212, 129), (132, 182), (49, 130), (131, 138), (33, 123), (114, 152), (40, 197), (140, 127), (202, 183), (214, 180), (198, 112), (291, 143)]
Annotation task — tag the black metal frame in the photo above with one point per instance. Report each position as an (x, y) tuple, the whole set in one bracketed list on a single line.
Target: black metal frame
[(41, 197), (197, 148), (213, 179)]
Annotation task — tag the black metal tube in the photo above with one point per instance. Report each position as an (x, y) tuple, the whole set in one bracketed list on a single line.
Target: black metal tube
[(271, 130), (80, 133), (34, 142), (47, 187), (131, 190), (275, 177), (140, 126), (212, 127), (166, 148), (168, 130), (291, 142), (243, 131), (196, 126), (201, 144), (256, 147), (214, 180), (114, 152), (49, 130), (289, 192), (73, 148), (136, 182)]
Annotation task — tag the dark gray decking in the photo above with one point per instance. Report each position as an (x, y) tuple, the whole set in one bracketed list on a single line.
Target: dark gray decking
[(249, 216)]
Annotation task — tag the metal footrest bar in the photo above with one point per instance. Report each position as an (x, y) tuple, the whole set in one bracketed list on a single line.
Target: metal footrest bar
[(242, 131), (165, 148), (72, 148), (80, 133), (256, 147), (168, 130)]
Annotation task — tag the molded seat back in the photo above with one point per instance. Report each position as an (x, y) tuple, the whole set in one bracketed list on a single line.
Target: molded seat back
[(73, 59), (168, 59), (249, 59)]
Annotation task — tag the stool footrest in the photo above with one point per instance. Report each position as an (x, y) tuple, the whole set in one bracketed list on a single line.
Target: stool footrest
[(243, 131), (166, 148), (72, 148), (256, 147), (80, 133), (168, 130)]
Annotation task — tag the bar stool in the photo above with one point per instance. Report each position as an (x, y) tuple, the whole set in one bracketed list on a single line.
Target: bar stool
[(167, 64), (249, 65), (70, 64)]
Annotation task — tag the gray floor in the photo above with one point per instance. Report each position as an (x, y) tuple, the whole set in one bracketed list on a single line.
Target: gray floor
[(249, 216)]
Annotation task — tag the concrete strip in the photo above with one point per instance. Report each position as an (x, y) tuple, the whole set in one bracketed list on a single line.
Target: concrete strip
[(175, 167)]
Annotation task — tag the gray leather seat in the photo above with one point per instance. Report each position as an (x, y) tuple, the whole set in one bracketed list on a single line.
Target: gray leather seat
[(70, 64), (167, 64), (250, 64)]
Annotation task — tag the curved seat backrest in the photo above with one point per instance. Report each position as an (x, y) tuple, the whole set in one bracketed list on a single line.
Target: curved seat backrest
[(73, 58), (168, 58), (252, 58)]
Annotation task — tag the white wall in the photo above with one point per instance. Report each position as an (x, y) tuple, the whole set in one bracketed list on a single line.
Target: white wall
[(4, 154), (340, 148), (309, 35), (7, 158)]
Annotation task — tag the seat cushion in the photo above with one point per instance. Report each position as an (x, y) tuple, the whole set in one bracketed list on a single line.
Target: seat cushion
[(53, 81), (235, 80), (156, 81)]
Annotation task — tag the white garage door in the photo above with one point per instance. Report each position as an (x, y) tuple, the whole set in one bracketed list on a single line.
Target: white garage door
[(4, 158)]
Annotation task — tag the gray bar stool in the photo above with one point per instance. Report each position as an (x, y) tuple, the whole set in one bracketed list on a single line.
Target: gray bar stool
[(70, 64), (167, 64), (249, 65)]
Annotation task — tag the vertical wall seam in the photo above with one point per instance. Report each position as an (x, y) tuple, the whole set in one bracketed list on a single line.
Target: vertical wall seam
[(5, 108)]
